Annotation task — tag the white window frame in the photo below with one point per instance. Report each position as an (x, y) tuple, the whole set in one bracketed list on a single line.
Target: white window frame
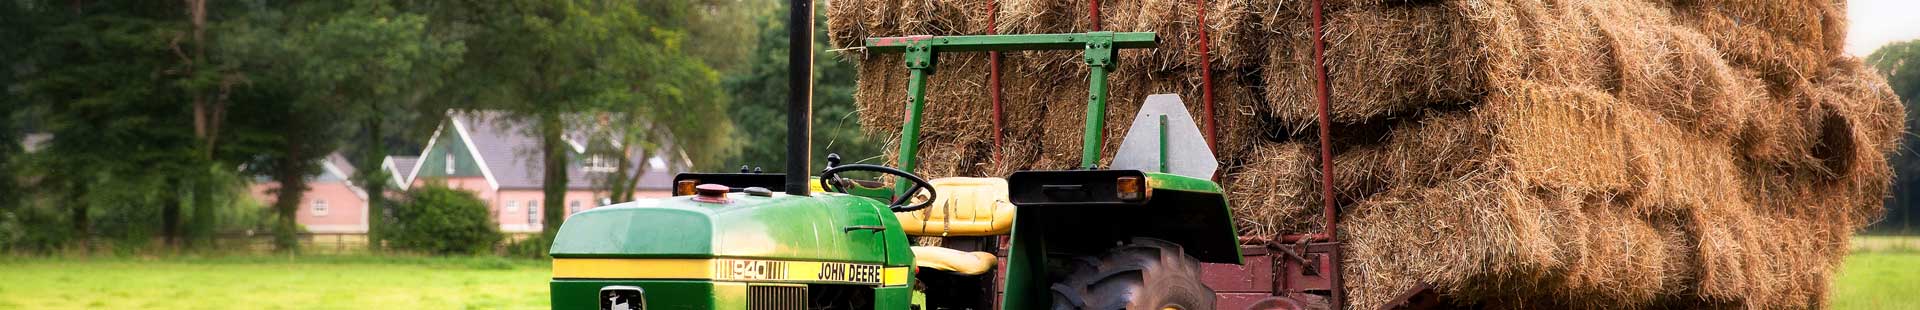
[(450, 164), (319, 207), (533, 212), (513, 205), (573, 207), (599, 163)]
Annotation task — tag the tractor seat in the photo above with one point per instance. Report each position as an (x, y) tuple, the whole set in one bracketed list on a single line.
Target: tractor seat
[(966, 207), (955, 261)]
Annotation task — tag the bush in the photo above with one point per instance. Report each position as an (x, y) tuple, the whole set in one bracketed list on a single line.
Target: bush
[(33, 229), (439, 220), (532, 247)]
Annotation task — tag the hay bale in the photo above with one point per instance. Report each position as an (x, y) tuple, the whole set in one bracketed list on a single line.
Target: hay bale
[(881, 93), (1803, 22), (1548, 216), (1675, 71), (850, 21), (1273, 189), (1539, 196), (1543, 154), (1491, 238), (1380, 63), (1782, 40), (1237, 34)]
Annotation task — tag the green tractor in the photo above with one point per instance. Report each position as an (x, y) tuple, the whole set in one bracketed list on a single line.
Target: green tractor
[(1131, 237)]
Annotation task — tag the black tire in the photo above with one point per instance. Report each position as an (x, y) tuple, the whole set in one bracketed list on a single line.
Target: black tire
[(1147, 274)]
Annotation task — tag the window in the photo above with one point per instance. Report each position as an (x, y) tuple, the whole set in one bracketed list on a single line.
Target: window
[(533, 212), (600, 164), (450, 163), (513, 205), (573, 207), (319, 207)]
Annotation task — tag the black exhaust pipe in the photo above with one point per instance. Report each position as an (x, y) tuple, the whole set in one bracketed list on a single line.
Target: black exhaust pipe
[(799, 95)]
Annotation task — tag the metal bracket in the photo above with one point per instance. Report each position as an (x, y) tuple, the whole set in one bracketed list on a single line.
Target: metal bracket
[(919, 55), (1099, 50)]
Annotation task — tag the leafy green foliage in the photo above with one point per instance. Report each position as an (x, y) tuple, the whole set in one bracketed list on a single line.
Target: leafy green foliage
[(551, 61), (761, 96), (440, 220), (159, 118), (393, 63), (1900, 64), (106, 81), (528, 248)]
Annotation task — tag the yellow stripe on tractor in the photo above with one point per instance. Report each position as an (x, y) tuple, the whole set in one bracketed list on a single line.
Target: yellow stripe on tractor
[(736, 270)]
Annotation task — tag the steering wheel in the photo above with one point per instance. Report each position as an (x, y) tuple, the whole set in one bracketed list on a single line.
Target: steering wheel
[(900, 203)]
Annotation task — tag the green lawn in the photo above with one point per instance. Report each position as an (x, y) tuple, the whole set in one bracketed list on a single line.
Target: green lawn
[(272, 283), (1882, 273)]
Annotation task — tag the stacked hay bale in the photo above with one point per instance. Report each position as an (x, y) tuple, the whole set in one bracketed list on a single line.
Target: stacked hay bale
[(1537, 153)]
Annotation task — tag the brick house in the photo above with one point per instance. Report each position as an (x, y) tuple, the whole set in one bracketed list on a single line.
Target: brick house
[(486, 153), (498, 158), (332, 204)]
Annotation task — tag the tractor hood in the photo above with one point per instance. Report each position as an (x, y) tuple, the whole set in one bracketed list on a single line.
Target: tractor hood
[(823, 227)]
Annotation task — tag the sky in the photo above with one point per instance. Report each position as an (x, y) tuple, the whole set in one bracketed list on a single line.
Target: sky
[(1878, 22)]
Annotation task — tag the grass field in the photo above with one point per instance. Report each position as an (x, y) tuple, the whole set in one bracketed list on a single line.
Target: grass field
[(1883, 273), (272, 283)]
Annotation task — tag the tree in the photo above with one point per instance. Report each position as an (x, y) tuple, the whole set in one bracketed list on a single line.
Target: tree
[(760, 96), (105, 81), (1900, 64), (18, 23), (137, 92), (377, 63), (550, 61)]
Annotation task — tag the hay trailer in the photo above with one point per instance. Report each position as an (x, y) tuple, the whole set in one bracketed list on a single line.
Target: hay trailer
[(1150, 232)]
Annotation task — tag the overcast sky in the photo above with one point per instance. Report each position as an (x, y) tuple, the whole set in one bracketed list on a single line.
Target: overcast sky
[(1878, 22)]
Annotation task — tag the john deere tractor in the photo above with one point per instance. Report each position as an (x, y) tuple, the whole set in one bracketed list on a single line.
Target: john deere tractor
[(1129, 236)]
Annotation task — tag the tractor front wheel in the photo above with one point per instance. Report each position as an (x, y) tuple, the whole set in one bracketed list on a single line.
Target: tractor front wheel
[(1147, 274)]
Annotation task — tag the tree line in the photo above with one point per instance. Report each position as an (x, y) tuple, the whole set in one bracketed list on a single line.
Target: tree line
[(1900, 63), (154, 116)]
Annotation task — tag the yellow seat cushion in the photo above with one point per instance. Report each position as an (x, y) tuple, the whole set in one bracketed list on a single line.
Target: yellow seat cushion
[(965, 207), (955, 261)]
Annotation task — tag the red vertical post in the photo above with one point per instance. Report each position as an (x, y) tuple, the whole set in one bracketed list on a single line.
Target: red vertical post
[(993, 83), (1326, 144), (1206, 79), (1093, 14), (1326, 148)]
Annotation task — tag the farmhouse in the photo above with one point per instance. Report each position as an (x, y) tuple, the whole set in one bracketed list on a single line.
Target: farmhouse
[(333, 205), (498, 158), (490, 154)]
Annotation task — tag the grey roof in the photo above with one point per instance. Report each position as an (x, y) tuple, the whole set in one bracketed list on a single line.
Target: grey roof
[(340, 162), (401, 166), (510, 150)]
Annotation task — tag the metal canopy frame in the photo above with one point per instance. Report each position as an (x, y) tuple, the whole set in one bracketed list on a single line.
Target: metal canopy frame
[(921, 56)]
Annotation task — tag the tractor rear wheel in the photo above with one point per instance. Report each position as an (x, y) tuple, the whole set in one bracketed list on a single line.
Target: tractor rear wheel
[(1147, 274)]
